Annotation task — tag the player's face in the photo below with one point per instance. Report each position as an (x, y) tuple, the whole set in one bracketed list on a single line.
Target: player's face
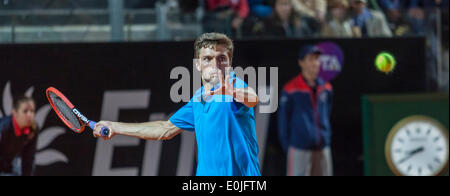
[(212, 60), (311, 65), (25, 114)]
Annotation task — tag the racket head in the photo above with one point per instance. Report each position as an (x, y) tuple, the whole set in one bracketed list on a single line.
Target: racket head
[(63, 108)]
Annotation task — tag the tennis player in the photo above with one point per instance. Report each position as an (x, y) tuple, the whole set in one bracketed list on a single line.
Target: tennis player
[(220, 114)]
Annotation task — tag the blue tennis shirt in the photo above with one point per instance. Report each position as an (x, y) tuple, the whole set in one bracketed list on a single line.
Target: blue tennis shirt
[(225, 133)]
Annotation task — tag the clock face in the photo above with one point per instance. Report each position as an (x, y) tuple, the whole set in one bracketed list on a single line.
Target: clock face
[(418, 146)]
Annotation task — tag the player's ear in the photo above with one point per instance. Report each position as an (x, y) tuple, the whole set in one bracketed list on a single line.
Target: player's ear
[(197, 65)]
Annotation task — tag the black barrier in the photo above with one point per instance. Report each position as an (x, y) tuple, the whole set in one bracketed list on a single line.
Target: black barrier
[(131, 82)]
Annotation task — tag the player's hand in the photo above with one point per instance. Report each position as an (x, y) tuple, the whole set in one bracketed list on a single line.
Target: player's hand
[(225, 87), (100, 125)]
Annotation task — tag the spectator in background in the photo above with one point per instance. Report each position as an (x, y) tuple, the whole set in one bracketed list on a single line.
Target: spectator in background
[(416, 13), (430, 3), (374, 5), (283, 23), (225, 16), (416, 17), (423, 15), (395, 11), (408, 17), (393, 8), (260, 8), (304, 119), (338, 23), (368, 23), (311, 8), (313, 12), (189, 10), (18, 138)]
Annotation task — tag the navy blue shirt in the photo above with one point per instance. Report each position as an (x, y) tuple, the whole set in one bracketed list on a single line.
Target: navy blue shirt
[(304, 115)]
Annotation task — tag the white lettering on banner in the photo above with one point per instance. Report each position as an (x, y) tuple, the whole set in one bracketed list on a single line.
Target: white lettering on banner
[(186, 156), (113, 101), (152, 153), (330, 63), (262, 128)]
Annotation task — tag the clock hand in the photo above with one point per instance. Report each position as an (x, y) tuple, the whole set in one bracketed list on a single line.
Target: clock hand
[(420, 149), (411, 154)]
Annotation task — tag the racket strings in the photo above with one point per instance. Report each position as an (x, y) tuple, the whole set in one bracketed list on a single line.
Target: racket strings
[(65, 111)]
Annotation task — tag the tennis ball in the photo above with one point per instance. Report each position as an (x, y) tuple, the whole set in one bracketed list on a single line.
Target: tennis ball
[(385, 62)]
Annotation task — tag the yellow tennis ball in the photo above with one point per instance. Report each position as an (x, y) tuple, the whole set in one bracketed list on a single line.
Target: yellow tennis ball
[(385, 62)]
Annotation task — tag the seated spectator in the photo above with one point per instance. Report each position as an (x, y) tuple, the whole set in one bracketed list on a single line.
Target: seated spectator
[(394, 11), (225, 16), (393, 8), (188, 10), (374, 5), (313, 13), (416, 13), (338, 23), (260, 8), (368, 23), (283, 23), (311, 8)]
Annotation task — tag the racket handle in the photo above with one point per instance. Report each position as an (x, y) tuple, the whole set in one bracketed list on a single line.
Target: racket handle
[(104, 132)]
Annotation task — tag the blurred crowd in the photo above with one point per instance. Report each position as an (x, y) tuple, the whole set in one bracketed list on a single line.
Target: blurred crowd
[(314, 18), (254, 19), (283, 18)]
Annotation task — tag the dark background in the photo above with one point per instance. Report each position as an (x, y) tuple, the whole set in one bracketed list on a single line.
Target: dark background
[(84, 71)]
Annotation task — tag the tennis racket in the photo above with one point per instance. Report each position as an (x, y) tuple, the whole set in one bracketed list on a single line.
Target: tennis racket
[(71, 116)]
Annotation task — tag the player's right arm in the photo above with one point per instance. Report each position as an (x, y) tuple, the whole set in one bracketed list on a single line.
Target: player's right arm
[(183, 119), (157, 130)]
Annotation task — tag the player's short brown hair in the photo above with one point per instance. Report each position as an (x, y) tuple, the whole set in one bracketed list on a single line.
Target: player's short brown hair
[(209, 40)]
